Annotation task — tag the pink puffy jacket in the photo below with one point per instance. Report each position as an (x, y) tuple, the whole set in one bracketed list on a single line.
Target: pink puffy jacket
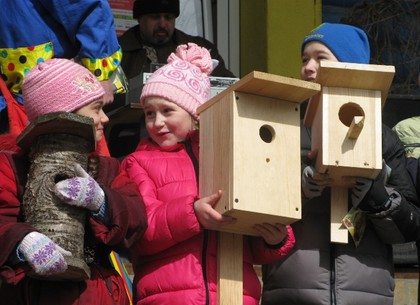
[(175, 261)]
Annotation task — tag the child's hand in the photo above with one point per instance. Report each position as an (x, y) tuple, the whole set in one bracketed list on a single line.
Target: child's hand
[(272, 234), (81, 191), (42, 254), (208, 217)]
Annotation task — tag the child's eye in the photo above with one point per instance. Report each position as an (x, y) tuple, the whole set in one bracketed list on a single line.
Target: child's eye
[(167, 110), (148, 113)]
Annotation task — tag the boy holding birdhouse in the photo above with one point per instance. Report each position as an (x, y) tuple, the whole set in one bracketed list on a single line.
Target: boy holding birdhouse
[(319, 271)]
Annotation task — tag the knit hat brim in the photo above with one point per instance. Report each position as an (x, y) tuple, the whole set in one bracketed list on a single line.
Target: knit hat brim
[(154, 89), (184, 80), (348, 43)]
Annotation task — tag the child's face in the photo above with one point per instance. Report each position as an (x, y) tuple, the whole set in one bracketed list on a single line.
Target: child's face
[(313, 53), (94, 110), (166, 122)]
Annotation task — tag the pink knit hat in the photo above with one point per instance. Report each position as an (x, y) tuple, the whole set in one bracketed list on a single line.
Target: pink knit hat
[(184, 80), (59, 85)]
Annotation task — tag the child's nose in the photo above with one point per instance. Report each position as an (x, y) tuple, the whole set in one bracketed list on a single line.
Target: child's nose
[(104, 118), (312, 65), (159, 119)]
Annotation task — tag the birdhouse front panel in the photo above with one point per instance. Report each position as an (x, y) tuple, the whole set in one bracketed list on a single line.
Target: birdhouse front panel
[(266, 156), (259, 160), (350, 133)]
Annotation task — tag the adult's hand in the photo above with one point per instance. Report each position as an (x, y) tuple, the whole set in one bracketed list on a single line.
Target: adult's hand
[(109, 91)]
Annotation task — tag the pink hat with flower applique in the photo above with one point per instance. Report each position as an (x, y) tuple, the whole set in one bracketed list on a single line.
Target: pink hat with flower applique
[(59, 85)]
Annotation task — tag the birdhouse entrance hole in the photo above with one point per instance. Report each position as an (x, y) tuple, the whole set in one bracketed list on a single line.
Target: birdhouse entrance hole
[(267, 133), (348, 112)]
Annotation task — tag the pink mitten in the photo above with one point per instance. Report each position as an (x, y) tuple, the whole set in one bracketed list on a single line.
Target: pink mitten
[(42, 254), (81, 191)]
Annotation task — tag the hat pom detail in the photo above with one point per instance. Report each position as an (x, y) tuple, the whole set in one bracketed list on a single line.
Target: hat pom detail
[(195, 55), (184, 80)]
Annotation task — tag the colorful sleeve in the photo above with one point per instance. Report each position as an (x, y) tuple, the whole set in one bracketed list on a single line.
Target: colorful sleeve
[(103, 68), (90, 25)]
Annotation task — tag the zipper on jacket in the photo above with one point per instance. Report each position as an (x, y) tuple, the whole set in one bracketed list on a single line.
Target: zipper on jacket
[(332, 274), (204, 265), (190, 152)]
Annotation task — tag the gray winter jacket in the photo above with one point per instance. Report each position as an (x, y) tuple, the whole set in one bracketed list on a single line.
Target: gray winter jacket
[(320, 272)]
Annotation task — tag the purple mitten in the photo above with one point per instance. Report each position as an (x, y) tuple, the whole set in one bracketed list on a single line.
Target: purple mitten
[(81, 191), (42, 254)]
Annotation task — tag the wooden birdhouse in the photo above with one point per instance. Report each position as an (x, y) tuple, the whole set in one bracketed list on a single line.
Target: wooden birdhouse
[(346, 127), (250, 149)]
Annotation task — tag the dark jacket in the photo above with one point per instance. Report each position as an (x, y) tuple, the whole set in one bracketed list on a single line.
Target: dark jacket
[(126, 224), (134, 59), (320, 272)]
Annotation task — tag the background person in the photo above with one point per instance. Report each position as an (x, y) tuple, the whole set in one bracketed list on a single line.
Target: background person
[(156, 37), (35, 31)]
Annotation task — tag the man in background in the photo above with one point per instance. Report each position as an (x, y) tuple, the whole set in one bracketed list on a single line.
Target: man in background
[(155, 38), (145, 47)]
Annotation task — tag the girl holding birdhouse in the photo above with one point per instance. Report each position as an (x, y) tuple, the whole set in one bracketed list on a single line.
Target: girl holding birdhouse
[(175, 261)]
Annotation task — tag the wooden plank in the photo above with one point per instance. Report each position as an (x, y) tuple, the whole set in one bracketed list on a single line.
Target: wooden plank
[(339, 209), (58, 123), (230, 269), (356, 127), (269, 85), (351, 76), (356, 76)]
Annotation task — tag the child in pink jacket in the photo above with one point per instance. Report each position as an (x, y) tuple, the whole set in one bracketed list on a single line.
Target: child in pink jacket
[(175, 261)]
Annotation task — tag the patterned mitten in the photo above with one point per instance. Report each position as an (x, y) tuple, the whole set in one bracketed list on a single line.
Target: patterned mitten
[(81, 191), (42, 254)]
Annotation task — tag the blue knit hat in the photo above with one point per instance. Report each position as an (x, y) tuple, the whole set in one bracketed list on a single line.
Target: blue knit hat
[(348, 43)]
